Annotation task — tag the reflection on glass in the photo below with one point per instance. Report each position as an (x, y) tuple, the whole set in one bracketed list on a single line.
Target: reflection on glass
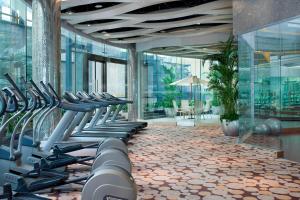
[(75, 50), (160, 99), (15, 40), (269, 64), (116, 79), (96, 76)]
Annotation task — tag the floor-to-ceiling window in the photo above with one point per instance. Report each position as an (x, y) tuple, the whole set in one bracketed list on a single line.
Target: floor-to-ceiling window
[(15, 39), (159, 98), (270, 87), (81, 60), (67, 60), (116, 74)]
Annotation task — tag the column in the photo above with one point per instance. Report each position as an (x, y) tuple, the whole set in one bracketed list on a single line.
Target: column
[(46, 36), (132, 83)]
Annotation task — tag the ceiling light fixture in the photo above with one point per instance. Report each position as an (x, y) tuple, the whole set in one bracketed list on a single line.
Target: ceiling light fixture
[(88, 25), (103, 32), (70, 12), (98, 6)]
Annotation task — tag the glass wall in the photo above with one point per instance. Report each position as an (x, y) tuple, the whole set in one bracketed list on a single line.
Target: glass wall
[(75, 63), (15, 40), (270, 87), (67, 60), (116, 75), (158, 97)]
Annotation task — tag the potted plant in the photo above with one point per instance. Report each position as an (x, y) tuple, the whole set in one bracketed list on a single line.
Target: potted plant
[(215, 104), (170, 90), (223, 80)]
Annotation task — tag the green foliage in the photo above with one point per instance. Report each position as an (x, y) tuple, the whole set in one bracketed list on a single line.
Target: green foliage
[(215, 100), (170, 90), (11, 126), (125, 108), (192, 103), (223, 77)]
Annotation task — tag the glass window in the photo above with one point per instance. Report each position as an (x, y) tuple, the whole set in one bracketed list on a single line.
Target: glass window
[(115, 52), (75, 53), (270, 87), (157, 72), (67, 60), (116, 79), (15, 40)]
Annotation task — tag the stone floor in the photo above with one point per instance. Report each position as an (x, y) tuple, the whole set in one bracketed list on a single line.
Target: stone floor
[(188, 163)]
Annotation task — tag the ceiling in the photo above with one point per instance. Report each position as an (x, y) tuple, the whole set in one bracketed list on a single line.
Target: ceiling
[(136, 21), (195, 51)]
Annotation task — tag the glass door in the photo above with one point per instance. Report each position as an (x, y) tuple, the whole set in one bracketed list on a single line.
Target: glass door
[(107, 75), (96, 79), (116, 74)]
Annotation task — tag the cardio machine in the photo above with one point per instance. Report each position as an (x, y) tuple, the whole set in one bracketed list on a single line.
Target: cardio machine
[(105, 181), (80, 119), (110, 151)]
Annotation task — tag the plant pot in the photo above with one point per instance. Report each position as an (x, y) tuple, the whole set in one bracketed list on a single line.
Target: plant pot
[(230, 128), (170, 112)]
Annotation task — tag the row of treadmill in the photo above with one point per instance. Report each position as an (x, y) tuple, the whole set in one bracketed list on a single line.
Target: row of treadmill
[(34, 160)]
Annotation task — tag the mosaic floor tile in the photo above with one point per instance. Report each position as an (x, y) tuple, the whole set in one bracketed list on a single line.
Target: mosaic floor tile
[(190, 163)]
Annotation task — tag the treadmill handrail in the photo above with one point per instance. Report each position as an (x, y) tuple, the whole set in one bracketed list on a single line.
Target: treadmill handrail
[(54, 93), (79, 107), (52, 98), (41, 94), (18, 91), (97, 103), (99, 98), (12, 100), (3, 104)]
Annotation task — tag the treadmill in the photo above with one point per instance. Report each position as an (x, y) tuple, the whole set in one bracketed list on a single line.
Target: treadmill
[(71, 118), (83, 118), (98, 122), (119, 103)]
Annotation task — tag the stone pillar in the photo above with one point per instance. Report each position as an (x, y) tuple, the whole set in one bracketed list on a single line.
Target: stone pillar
[(132, 83), (46, 36)]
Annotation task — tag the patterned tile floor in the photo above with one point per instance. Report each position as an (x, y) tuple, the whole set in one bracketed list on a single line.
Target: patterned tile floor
[(186, 163)]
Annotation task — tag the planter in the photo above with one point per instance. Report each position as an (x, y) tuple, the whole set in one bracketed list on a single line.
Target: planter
[(230, 128), (170, 112)]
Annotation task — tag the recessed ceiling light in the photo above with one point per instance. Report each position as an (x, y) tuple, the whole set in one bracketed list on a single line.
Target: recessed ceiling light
[(98, 6), (88, 25), (103, 32), (106, 34), (70, 12), (162, 31)]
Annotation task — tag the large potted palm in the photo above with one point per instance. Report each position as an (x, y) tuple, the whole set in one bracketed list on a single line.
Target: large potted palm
[(223, 80)]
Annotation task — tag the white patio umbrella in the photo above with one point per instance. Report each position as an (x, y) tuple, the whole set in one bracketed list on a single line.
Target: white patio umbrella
[(190, 81)]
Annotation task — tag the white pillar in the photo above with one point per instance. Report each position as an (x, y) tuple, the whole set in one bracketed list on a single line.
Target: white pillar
[(132, 83), (46, 34), (46, 41)]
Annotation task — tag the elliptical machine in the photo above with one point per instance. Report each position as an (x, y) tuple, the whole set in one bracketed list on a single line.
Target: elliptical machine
[(107, 181)]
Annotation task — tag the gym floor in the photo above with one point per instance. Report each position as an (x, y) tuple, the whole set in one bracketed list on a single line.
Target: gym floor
[(185, 163)]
